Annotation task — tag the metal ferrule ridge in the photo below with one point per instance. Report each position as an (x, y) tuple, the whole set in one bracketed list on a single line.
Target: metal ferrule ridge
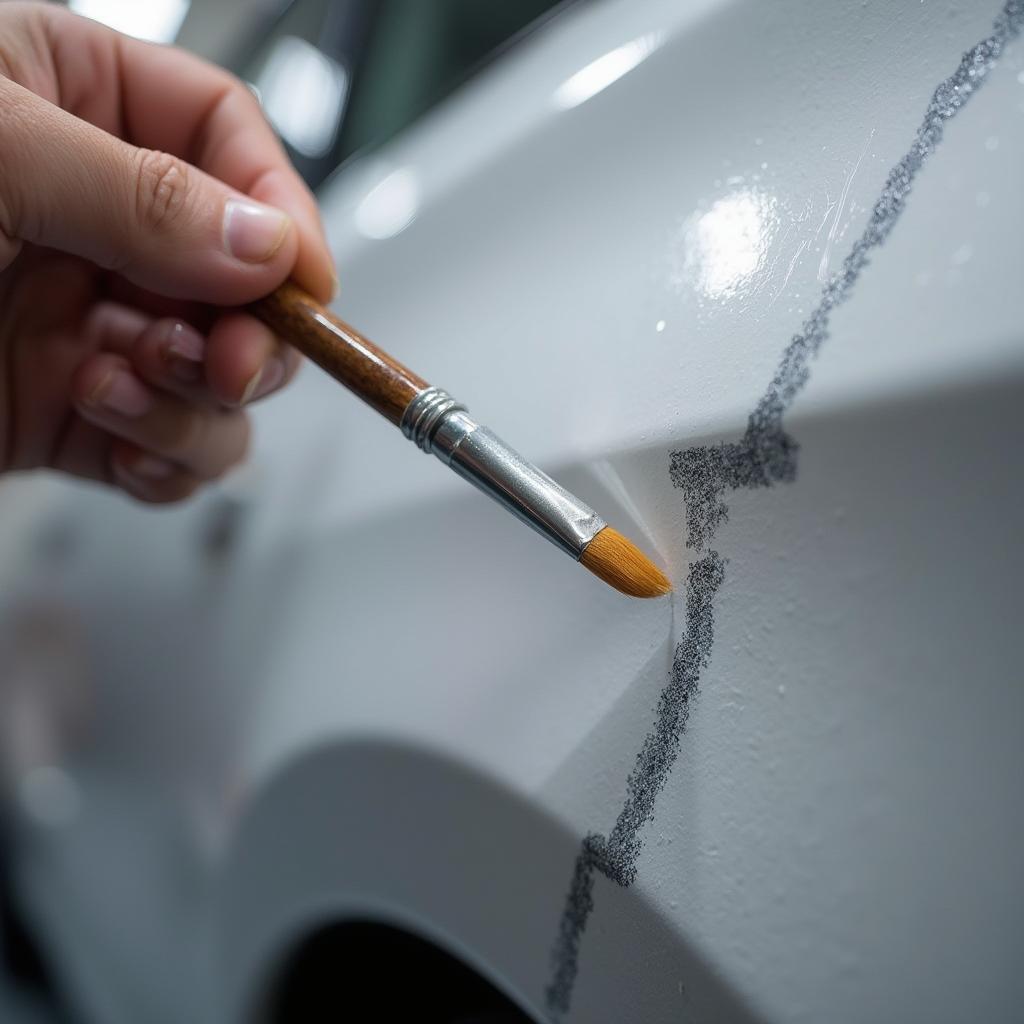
[(439, 425)]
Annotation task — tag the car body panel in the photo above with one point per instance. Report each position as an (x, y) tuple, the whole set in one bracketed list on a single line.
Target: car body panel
[(347, 685)]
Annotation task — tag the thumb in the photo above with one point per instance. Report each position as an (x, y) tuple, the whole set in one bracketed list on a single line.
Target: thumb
[(150, 216)]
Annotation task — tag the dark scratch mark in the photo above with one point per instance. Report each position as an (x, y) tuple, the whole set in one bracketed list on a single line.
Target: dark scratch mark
[(765, 455)]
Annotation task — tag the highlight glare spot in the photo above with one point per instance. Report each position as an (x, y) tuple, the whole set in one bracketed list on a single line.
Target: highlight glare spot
[(599, 74), (390, 206), (725, 246)]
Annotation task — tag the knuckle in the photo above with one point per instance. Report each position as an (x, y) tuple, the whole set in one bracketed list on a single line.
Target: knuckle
[(231, 447), (184, 436), (161, 189)]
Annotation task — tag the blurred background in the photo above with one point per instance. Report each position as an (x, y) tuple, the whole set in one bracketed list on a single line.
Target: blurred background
[(335, 77)]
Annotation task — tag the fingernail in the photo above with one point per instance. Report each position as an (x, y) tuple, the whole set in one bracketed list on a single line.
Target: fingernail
[(273, 377), (266, 379), (335, 286), (253, 232), (152, 468), (120, 392), (183, 350), (185, 341)]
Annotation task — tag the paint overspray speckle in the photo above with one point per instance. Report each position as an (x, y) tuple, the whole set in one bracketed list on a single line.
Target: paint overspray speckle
[(765, 455)]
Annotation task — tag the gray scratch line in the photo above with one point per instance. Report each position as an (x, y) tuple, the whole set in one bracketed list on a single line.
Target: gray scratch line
[(765, 455)]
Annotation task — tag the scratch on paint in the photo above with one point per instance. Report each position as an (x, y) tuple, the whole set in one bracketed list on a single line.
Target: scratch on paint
[(830, 205), (764, 456), (833, 232), (789, 271)]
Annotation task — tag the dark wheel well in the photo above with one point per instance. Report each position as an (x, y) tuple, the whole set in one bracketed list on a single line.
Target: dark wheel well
[(362, 971)]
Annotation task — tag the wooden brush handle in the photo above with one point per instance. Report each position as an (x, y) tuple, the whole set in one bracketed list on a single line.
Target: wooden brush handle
[(342, 351)]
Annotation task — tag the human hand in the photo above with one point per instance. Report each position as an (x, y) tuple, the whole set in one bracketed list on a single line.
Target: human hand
[(141, 192)]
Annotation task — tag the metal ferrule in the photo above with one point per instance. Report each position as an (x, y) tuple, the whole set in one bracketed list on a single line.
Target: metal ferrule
[(438, 424)]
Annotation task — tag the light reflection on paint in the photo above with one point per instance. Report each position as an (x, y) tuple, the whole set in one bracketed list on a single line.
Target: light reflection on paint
[(599, 74), (390, 206), (725, 247)]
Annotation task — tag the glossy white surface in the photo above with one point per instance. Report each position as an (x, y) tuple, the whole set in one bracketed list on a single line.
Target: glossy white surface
[(389, 697)]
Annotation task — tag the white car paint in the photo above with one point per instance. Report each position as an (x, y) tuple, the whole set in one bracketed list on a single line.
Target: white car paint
[(387, 697)]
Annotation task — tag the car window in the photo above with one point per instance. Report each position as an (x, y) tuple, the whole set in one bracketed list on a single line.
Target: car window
[(337, 76)]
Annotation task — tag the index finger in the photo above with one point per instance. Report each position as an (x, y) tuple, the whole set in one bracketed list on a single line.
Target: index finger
[(173, 101)]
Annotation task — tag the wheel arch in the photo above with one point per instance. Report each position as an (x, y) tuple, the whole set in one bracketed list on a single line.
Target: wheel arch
[(400, 837)]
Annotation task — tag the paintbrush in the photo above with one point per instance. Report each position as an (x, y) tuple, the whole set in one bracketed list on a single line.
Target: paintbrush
[(437, 423)]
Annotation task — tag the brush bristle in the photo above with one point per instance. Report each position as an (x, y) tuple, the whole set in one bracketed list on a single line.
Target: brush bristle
[(622, 565)]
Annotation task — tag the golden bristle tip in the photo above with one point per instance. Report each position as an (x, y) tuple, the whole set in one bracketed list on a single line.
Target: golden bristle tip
[(622, 565)]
